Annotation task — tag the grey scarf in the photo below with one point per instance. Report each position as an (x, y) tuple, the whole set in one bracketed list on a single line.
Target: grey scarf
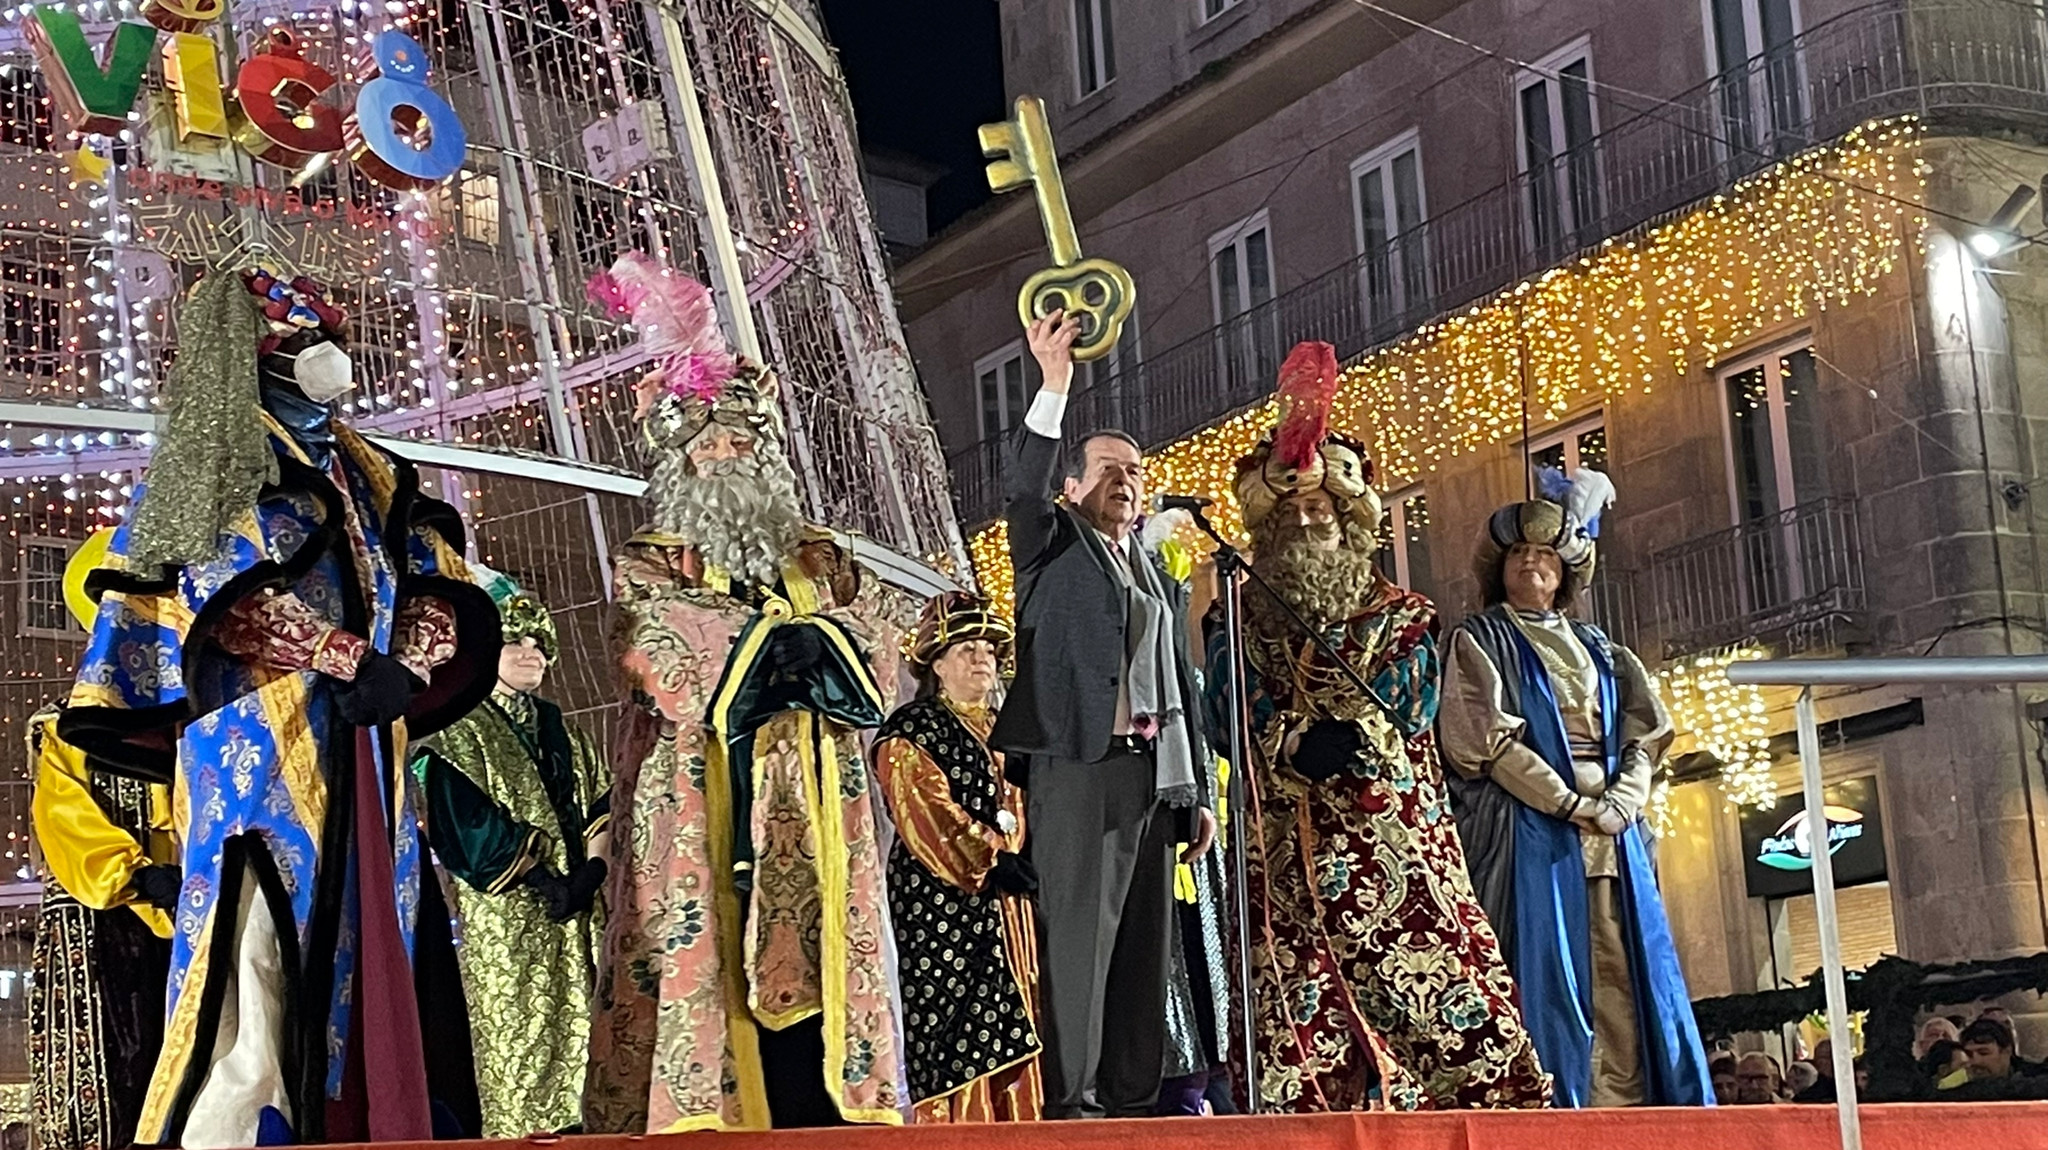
[(1154, 683)]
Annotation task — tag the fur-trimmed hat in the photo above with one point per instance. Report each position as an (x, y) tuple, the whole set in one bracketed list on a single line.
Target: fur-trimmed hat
[(1301, 453)]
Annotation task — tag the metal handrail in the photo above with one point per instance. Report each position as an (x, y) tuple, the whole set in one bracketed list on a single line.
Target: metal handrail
[(1961, 61), (1806, 674)]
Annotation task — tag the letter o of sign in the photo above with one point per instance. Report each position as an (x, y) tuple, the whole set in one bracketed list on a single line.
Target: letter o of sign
[(403, 134), (282, 121)]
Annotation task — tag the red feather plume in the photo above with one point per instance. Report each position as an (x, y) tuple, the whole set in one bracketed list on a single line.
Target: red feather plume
[(1308, 384)]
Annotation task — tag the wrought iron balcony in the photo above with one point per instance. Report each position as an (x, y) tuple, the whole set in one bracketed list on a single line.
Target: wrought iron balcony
[(1795, 576), (1957, 62)]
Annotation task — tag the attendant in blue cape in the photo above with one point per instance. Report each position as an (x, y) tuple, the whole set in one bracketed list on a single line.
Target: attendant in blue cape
[(1554, 732)]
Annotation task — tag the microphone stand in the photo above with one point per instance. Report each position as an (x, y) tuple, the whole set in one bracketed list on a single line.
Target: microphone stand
[(1230, 566)]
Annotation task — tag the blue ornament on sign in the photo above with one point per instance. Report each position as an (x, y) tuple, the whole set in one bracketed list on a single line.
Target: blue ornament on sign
[(403, 133)]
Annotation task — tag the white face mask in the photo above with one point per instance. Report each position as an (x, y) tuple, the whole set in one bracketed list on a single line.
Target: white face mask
[(324, 372)]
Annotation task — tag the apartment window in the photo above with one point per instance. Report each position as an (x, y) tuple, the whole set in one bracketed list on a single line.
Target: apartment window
[(324, 184), (1777, 461), (1404, 542), (1388, 210), (598, 229), (1559, 165), (1776, 452), (1756, 61), (1581, 443), (1120, 377), (1214, 8), (468, 205), (999, 380), (25, 110), (1094, 45), (32, 298), (43, 611), (1240, 282)]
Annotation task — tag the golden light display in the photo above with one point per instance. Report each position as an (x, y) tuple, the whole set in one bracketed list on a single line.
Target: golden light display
[(1726, 720), (1806, 235)]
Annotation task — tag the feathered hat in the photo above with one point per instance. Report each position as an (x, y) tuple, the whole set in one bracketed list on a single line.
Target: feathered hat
[(1566, 519), (677, 322), (291, 306), (956, 617), (1301, 453), (524, 616)]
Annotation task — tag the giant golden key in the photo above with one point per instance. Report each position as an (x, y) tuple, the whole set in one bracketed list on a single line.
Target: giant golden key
[(1099, 293)]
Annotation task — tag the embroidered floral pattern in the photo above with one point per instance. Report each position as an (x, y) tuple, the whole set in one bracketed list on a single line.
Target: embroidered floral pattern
[(1371, 944), (679, 971)]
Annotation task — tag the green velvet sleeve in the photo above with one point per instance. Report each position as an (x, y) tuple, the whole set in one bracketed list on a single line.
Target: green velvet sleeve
[(476, 838)]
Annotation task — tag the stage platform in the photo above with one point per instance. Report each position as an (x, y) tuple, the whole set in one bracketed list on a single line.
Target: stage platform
[(1926, 1126)]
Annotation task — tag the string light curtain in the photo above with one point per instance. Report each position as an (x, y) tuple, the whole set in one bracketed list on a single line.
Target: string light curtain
[(1811, 233)]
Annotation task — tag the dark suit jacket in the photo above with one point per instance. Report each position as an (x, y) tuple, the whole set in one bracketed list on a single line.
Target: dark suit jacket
[(1071, 612)]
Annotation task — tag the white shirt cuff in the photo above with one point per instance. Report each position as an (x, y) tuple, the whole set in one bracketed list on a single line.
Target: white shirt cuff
[(1048, 411)]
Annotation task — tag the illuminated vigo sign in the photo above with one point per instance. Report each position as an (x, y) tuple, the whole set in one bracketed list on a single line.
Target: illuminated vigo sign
[(401, 133)]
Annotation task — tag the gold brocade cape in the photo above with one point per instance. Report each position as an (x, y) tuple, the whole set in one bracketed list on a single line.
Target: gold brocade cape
[(509, 787)]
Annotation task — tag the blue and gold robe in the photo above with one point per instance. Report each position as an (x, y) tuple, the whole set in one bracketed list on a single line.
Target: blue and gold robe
[(268, 781)]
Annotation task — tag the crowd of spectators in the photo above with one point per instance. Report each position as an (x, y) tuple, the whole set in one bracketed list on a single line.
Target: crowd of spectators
[(1960, 1058)]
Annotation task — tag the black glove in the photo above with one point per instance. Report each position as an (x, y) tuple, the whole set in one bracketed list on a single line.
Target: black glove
[(159, 884), (1013, 874), (566, 896), (381, 691), (796, 649), (553, 890), (584, 882), (1326, 750)]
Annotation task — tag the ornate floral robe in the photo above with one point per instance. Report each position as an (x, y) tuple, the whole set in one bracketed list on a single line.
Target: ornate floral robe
[(1369, 946), (96, 996), (695, 964), (508, 786), (219, 678)]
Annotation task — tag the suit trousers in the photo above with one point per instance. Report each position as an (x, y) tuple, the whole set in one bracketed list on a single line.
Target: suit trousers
[(1103, 845)]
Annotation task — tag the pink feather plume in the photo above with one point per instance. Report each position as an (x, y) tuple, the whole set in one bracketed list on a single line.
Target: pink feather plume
[(677, 321), (1308, 384)]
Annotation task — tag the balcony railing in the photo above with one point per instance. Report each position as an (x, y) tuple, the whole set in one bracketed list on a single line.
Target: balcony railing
[(1610, 604), (1957, 62), (1781, 576)]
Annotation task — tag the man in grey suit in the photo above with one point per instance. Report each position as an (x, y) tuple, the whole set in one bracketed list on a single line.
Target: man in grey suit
[(1101, 717)]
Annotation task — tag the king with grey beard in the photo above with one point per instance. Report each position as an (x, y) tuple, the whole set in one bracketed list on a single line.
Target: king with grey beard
[(1326, 586), (740, 514)]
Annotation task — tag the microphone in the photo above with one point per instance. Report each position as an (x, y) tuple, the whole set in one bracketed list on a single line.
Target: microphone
[(1164, 503)]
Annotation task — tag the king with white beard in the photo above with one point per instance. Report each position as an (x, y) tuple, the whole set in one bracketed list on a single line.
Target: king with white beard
[(741, 986)]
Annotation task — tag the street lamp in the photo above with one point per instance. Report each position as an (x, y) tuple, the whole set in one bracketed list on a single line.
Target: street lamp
[(1999, 234)]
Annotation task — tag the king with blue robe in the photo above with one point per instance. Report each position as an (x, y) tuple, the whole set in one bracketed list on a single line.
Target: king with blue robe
[(286, 610)]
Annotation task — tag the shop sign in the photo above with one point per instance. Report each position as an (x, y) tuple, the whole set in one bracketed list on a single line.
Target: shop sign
[(1778, 842)]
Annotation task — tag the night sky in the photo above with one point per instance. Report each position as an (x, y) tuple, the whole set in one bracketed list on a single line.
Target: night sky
[(924, 74)]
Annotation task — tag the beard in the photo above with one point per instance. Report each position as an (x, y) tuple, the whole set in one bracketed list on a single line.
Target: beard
[(1326, 586), (740, 514)]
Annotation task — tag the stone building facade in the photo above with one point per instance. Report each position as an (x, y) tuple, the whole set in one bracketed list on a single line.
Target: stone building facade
[(1857, 472)]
